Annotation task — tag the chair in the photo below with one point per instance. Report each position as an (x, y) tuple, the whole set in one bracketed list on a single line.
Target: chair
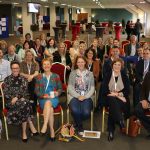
[(4, 111), (68, 44), (92, 112), (125, 43), (106, 112), (57, 111)]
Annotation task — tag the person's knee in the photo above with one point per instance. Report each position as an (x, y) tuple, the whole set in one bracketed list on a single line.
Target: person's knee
[(86, 114)]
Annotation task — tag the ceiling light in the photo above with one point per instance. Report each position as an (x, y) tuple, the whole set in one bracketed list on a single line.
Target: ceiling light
[(73, 6), (55, 2), (16, 3), (142, 2), (63, 4), (46, 6), (44, 0)]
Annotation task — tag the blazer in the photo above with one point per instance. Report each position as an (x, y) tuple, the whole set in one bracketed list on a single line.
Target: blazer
[(145, 87), (125, 81), (57, 58), (139, 71), (128, 49)]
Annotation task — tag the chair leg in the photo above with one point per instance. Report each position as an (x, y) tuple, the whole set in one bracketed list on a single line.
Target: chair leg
[(62, 117), (91, 120), (127, 128), (68, 115), (103, 120), (6, 128), (38, 122)]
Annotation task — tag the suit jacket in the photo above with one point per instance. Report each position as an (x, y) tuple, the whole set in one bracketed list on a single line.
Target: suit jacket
[(139, 70), (128, 49), (145, 87), (57, 58), (125, 81)]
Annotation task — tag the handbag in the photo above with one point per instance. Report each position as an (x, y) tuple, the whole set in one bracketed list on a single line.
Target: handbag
[(67, 133), (134, 126)]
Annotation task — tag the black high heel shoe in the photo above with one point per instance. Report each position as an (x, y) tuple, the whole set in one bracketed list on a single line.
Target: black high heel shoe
[(25, 140), (110, 136), (52, 139)]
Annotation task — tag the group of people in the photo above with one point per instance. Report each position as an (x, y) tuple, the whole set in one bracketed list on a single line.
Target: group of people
[(133, 29), (25, 70)]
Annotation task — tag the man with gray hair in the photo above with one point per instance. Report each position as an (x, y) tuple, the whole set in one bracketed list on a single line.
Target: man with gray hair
[(12, 56)]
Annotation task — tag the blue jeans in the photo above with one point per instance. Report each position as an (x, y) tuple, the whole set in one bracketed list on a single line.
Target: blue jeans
[(80, 110)]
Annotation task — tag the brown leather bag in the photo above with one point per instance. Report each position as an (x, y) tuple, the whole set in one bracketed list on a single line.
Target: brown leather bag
[(133, 126)]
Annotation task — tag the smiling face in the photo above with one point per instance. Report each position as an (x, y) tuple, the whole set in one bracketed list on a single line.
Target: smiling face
[(46, 66), (90, 54), (81, 64), (117, 66), (29, 56), (51, 42), (146, 54), (15, 69)]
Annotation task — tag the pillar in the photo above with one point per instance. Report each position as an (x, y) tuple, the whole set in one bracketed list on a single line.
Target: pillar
[(52, 19)]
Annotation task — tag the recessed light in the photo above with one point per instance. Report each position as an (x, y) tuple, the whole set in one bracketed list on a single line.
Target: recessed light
[(55, 2)]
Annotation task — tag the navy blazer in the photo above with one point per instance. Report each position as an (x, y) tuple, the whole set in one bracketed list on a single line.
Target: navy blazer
[(128, 49), (139, 71), (145, 87), (125, 81)]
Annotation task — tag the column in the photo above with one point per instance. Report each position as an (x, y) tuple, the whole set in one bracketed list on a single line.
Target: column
[(52, 19), (26, 20), (74, 14), (66, 17)]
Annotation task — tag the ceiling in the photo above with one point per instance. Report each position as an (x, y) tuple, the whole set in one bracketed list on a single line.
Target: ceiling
[(85, 3)]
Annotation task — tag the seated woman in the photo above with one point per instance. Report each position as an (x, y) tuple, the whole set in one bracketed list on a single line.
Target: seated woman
[(94, 65), (30, 69), (80, 90), (26, 46), (48, 88), (116, 93), (62, 56), (50, 48), (17, 101)]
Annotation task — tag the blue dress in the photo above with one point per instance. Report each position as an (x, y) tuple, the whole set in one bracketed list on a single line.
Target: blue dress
[(54, 101)]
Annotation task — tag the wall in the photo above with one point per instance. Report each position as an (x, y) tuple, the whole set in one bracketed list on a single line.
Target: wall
[(6, 10), (116, 15)]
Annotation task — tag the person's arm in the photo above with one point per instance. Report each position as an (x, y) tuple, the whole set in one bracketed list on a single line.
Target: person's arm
[(58, 88), (47, 53), (92, 87), (71, 85)]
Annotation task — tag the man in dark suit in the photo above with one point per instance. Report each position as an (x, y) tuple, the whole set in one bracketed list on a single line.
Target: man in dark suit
[(142, 67), (131, 48), (144, 104)]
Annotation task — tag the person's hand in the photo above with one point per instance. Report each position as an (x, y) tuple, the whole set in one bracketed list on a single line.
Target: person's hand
[(113, 94), (30, 77), (13, 101), (56, 93), (45, 96), (122, 99), (81, 98), (145, 104), (68, 67)]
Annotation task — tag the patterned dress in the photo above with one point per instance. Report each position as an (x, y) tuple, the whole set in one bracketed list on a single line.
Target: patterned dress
[(21, 111)]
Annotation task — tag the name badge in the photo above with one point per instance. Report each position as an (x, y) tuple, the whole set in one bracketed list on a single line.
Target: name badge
[(82, 93)]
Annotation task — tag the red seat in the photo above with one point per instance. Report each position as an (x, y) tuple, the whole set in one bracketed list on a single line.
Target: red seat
[(68, 43), (60, 69)]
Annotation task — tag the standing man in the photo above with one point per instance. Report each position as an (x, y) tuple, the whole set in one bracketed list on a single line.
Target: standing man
[(137, 29)]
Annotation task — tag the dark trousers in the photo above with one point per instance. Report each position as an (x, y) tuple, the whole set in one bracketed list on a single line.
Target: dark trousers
[(80, 110), (136, 93), (116, 110), (33, 97), (140, 113)]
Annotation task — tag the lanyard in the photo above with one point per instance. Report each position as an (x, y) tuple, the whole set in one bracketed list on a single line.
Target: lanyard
[(29, 68), (89, 66), (48, 79)]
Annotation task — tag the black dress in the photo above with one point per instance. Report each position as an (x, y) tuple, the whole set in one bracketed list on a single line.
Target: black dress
[(21, 111)]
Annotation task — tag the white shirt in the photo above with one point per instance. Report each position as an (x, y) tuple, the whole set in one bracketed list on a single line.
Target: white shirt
[(4, 69), (133, 50)]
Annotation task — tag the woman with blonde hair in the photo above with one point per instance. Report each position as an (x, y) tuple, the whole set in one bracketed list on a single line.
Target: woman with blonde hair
[(30, 69), (47, 88)]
